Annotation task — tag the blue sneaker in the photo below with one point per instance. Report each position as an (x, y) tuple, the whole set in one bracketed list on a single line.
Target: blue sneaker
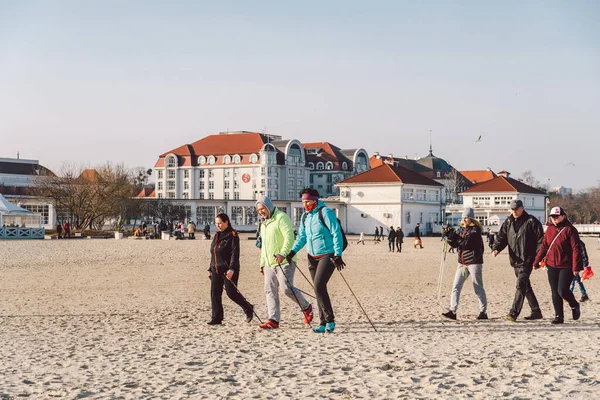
[(319, 329), (330, 327)]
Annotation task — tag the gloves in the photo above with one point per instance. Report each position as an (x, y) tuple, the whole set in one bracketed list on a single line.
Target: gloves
[(338, 262), (290, 256), (451, 234)]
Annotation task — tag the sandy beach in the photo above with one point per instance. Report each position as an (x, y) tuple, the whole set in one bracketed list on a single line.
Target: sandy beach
[(105, 319)]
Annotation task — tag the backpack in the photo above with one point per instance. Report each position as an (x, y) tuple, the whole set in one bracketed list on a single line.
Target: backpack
[(320, 212), (584, 256)]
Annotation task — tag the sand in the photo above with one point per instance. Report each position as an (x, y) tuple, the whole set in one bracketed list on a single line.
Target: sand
[(107, 319)]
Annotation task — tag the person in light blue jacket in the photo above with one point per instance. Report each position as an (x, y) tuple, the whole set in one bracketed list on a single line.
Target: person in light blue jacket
[(321, 233)]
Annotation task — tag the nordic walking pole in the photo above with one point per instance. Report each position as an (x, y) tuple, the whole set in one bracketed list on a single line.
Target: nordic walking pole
[(292, 289), (306, 294), (307, 280), (441, 274), (358, 301), (238, 290)]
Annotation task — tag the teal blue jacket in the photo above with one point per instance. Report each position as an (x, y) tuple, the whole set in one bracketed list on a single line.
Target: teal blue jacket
[(319, 239)]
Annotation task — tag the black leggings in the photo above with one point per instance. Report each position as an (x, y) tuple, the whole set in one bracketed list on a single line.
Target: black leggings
[(217, 281), (560, 282), (321, 270)]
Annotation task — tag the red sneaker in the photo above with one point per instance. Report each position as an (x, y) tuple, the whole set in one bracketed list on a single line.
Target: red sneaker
[(269, 325), (308, 315)]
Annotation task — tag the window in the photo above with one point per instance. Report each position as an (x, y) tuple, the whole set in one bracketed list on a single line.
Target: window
[(171, 174), (262, 182), (236, 195), (201, 173), (201, 160), (226, 183), (311, 165), (186, 185), (201, 185), (40, 209), (253, 158), (211, 185), (171, 195), (207, 214), (481, 201), (160, 174), (528, 201), (421, 194), (171, 162), (226, 195), (502, 201), (236, 184), (186, 174), (159, 186), (244, 215), (408, 217), (329, 189), (160, 195), (434, 195), (312, 178), (408, 194), (237, 159), (211, 159), (227, 159), (211, 196), (171, 186), (186, 195), (211, 173), (226, 173), (298, 211), (329, 165), (438, 174), (320, 165), (345, 166), (421, 218), (201, 196)]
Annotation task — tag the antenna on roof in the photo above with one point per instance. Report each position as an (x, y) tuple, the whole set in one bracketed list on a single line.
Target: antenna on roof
[(17, 155), (430, 144)]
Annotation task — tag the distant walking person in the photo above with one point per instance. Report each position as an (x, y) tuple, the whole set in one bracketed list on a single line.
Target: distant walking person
[(322, 235), (58, 230), (377, 234), (67, 230), (418, 241), (470, 262), (362, 238), (399, 239), (277, 237), (523, 235), (224, 270), (391, 239), (560, 253)]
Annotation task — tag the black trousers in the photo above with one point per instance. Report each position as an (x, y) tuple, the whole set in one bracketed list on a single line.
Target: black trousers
[(217, 281), (321, 270), (560, 282), (524, 291), (399, 246)]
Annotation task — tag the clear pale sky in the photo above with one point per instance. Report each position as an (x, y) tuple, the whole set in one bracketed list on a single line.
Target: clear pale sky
[(124, 81)]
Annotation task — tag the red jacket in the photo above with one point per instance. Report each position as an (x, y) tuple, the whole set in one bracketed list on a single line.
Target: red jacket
[(565, 252)]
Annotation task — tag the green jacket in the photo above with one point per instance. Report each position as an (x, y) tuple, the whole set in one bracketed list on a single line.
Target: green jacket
[(277, 235)]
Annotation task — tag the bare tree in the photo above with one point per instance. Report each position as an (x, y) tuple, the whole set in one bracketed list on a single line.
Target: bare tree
[(455, 183)]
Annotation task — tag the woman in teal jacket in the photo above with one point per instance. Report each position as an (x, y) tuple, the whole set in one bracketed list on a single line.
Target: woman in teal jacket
[(321, 233)]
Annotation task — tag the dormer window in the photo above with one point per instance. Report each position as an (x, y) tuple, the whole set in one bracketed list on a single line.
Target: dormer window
[(329, 165), (211, 159), (237, 159), (320, 166), (201, 160), (345, 166), (253, 158), (311, 165), (312, 151), (171, 162), (227, 159)]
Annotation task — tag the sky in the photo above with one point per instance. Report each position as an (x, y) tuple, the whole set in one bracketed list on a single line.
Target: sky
[(96, 81)]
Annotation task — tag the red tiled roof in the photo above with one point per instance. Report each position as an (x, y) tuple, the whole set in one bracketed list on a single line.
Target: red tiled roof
[(146, 192), (478, 176), (329, 152), (389, 174), (502, 184), (90, 175)]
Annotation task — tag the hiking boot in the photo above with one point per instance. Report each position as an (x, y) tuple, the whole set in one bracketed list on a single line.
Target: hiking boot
[(482, 315), (557, 320), (249, 313), (534, 315), (330, 327), (213, 322), (449, 315), (584, 298), (308, 314), (576, 312), (511, 318), (270, 324), (319, 329)]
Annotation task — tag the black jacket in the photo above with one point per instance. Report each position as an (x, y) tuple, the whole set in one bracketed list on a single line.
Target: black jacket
[(522, 245), (417, 232), (392, 235), (399, 236), (225, 252), (469, 243)]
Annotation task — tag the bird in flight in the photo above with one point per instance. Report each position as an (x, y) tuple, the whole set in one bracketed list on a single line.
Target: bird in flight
[(478, 139), (570, 163)]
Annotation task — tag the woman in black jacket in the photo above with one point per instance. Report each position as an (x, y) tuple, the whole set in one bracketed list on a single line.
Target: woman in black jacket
[(225, 270), (470, 262)]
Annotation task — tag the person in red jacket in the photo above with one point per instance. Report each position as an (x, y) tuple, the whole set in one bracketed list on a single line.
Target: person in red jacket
[(560, 253)]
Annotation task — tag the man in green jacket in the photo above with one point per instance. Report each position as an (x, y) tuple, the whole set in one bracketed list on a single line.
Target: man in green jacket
[(277, 239)]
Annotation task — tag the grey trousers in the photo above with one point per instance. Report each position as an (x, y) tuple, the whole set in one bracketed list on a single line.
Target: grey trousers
[(274, 279), (462, 273)]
